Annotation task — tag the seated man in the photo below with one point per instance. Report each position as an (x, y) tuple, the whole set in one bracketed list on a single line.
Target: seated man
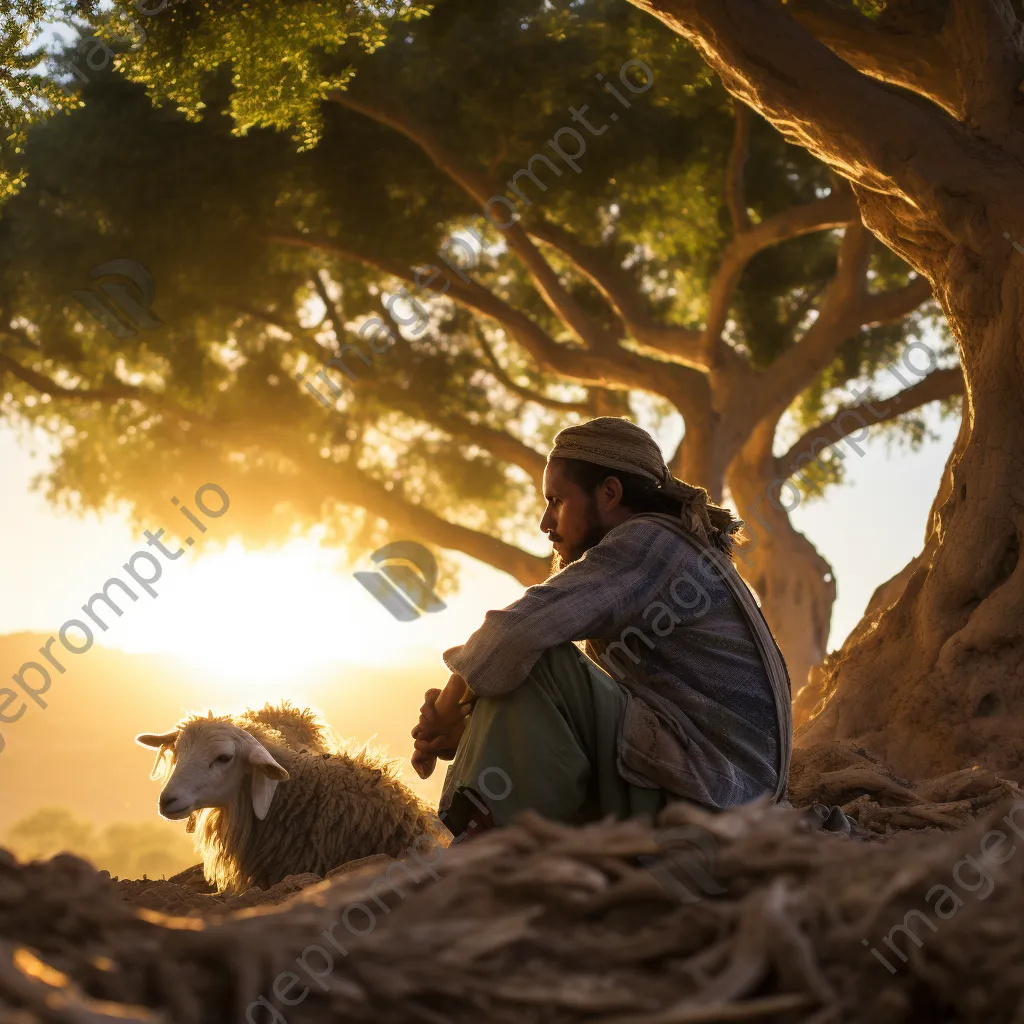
[(694, 698)]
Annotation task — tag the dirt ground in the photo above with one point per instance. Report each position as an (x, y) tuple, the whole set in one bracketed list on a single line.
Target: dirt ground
[(752, 914)]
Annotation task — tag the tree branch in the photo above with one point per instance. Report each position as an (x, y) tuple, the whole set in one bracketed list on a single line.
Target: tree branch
[(333, 312), (802, 307), (115, 392), (937, 385), (416, 521), (469, 294), (838, 316), (621, 292), (561, 303), (917, 61), (836, 210), (984, 41), (846, 307), (885, 307), (882, 140), (684, 386), (303, 338), (692, 345), (360, 489), (524, 392), (503, 445), (735, 193)]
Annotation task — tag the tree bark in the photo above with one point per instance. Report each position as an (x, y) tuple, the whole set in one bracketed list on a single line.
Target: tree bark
[(937, 680)]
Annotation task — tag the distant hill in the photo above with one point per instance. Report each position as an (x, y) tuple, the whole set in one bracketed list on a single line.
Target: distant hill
[(80, 753)]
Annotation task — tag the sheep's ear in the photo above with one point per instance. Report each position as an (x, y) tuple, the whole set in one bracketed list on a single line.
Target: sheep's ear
[(266, 774), (262, 793), (164, 744), (153, 739)]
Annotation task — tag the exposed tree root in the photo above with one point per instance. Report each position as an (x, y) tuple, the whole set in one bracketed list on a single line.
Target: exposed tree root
[(544, 923), (880, 801)]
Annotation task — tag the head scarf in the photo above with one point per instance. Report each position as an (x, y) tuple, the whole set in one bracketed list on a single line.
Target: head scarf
[(617, 443)]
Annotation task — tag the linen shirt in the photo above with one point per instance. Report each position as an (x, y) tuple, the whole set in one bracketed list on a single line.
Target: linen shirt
[(647, 593)]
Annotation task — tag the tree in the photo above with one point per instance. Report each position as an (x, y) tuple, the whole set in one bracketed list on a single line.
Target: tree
[(125, 849), (918, 105), (706, 266), (52, 830), (27, 92), (32, 82)]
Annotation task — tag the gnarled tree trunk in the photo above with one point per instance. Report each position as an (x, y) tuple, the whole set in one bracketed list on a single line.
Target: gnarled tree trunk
[(793, 581), (938, 680)]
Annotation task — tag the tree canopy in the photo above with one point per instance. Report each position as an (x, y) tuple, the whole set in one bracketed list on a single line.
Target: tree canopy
[(28, 92), (314, 189)]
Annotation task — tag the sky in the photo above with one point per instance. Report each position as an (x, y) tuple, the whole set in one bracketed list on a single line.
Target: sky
[(255, 616), (260, 618)]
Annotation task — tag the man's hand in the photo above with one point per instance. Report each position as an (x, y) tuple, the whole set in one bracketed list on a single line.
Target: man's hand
[(441, 724)]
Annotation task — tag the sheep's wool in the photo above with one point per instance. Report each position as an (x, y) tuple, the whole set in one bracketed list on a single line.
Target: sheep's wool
[(334, 807)]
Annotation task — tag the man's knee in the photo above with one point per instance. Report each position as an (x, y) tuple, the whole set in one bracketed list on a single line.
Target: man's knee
[(562, 655), (571, 672)]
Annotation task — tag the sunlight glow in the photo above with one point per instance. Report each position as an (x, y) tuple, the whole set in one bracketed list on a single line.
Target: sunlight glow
[(267, 616)]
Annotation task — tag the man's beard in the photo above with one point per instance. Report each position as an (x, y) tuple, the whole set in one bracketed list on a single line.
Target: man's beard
[(595, 533)]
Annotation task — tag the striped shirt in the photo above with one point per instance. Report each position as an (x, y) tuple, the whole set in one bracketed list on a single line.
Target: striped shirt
[(644, 592)]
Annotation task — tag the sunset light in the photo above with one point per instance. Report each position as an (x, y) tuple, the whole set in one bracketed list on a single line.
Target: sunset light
[(581, 441), (262, 621)]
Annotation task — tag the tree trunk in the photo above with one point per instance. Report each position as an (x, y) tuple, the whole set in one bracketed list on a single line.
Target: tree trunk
[(809, 701), (938, 681), (794, 583), (698, 459)]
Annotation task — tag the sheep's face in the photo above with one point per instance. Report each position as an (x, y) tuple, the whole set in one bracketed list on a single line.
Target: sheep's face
[(211, 762)]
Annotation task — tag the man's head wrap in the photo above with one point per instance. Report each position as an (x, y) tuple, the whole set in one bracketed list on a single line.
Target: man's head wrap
[(616, 443)]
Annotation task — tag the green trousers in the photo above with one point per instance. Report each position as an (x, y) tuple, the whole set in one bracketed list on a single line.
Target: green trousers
[(549, 746)]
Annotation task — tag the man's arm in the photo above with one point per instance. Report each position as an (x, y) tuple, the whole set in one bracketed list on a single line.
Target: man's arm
[(633, 566)]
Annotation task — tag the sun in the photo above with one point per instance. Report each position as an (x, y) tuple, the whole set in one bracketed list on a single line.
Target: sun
[(269, 619), (287, 622)]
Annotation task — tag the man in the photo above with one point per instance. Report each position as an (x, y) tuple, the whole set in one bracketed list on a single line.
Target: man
[(694, 698)]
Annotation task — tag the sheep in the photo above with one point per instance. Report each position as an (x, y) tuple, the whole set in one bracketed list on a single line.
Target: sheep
[(300, 730), (224, 774)]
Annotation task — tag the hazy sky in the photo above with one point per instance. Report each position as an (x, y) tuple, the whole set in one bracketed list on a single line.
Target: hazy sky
[(258, 617)]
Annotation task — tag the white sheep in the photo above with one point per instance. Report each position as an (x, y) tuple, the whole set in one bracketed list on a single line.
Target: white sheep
[(226, 774)]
